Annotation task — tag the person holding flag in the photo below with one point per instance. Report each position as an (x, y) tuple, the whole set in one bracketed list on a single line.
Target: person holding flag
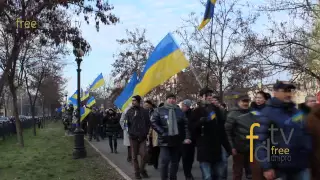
[(209, 133)]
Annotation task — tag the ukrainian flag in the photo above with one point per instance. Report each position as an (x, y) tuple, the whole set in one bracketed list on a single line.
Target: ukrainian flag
[(208, 15), (84, 113), (165, 61), (212, 115), (91, 102), (256, 113), (298, 117), (74, 102), (75, 95), (98, 82), (124, 99), (84, 95)]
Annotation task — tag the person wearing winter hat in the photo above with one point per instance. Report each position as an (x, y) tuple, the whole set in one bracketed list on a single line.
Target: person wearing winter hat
[(208, 130), (171, 125), (138, 120), (188, 150)]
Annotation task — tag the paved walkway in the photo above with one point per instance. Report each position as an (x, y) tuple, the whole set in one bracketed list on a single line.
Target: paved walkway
[(120, 160)]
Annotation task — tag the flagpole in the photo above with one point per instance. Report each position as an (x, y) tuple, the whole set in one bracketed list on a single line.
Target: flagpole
[(209, 58)]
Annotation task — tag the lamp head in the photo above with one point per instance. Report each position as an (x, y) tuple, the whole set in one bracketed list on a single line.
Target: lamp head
[(78, 52)]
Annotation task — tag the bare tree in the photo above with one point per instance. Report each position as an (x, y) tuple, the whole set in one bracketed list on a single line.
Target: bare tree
[(230, 51), (133, 56), (46, 60), (54, 27), (292, 44)]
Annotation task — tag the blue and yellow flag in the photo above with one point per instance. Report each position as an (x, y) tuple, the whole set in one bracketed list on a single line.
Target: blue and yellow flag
[(84, 95), (165, 61), (91, 102), (298, 117), (84, 112), (74, 102), (212, 115), (98, 82), (208, 14), (75, 95), (124, 99), (256, 113)]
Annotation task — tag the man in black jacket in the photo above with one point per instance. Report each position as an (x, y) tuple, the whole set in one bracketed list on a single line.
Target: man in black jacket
[(138, 128), (171, 125), (188, 150), (208, 129), (93, 124)]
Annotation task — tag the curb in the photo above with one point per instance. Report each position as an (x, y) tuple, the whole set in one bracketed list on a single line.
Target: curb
[(124, 175)]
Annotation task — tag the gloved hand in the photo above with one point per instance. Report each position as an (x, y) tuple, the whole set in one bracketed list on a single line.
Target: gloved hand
[(204, 119)]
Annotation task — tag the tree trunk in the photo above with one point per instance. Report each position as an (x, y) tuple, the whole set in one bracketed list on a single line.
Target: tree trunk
[(16, 114), (34, 119)]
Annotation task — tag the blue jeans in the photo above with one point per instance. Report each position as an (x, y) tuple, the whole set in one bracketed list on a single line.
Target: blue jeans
[(211, 171), (300, 175), (224, 163), (169, 156)]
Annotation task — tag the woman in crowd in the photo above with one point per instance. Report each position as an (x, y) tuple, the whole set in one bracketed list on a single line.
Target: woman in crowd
[(112, 129), (259, 103)]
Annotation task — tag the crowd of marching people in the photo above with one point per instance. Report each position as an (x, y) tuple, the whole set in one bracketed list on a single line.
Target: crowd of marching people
[(285, 137)]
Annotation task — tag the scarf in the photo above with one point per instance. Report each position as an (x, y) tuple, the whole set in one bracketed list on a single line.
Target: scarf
[(172, 120)]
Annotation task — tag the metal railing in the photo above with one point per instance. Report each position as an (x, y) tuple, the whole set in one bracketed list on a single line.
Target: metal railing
[(8, 128)]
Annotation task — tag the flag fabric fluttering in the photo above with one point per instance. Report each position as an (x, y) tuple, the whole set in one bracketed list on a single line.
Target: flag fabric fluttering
[(208, 14), (91, 102), (84, 95), (212, 115), (124, 99), (75, 95), (73, 102), (84, 112), (98, 82), (165, 61)]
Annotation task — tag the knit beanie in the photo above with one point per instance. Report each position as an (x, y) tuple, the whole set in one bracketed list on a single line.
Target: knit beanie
[(170, 95), (137, 98)]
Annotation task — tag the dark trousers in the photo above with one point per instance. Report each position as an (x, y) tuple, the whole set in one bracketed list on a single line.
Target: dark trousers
[(129, 157), (138, 147), (239, 162), (155, 156), (93, 132), (169, 155), (113, 143), (188, 152)]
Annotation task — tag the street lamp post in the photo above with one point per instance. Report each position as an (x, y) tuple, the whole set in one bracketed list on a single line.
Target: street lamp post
[(79, 150)]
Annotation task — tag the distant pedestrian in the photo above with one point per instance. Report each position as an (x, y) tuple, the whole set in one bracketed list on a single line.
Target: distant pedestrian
[(124, 126), (112, 129)]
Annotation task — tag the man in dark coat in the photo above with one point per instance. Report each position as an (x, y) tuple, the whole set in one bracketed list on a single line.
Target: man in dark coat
[(112, 129), (188, 150), (138, 128), (208, 128), (280, 113), (93, 124), (237, 126), (171, 125)]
